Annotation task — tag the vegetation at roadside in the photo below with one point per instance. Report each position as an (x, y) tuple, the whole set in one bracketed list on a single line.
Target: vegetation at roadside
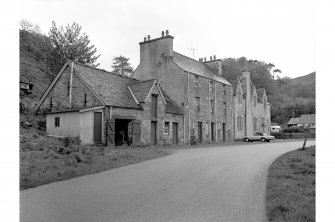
[(290, 191), (45, 159)]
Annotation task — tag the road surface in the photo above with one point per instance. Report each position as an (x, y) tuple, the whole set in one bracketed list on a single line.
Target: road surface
[(224, 183)]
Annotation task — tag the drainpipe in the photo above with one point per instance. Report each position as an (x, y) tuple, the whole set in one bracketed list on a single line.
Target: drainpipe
[(71, 79), (188, 104)]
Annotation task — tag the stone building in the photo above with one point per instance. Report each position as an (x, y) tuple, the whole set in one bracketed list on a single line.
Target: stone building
[(103, 108), (251, 108), (205, 97)]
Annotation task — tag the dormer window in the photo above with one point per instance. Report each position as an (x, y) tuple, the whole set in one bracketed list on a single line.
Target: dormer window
[(264, 103), (223, 89)]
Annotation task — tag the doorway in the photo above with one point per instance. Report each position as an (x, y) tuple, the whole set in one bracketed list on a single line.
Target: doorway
[(223, 132), (153, 133), (212, 133), (123, 132), (97, 127), (199, 132), (175, 133)]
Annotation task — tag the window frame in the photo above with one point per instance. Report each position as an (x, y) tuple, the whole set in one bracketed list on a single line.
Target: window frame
[(57, 121), (212, 105), (196, 81), (166, 128), (197, 103)]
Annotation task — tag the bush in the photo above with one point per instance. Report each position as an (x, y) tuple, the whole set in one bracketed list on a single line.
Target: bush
[(294, 130), (69, 141), (282, 135), (41, 125), (194, 140)]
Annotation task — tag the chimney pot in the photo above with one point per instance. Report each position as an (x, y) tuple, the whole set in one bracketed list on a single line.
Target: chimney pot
[(145, 39), (205, 59), (210, 58), (162, 33), (214, 57), (167, 32), (148, 37)]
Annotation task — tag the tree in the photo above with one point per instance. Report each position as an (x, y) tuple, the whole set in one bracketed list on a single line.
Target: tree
[(26, 25), (121, 66), (70, 43)]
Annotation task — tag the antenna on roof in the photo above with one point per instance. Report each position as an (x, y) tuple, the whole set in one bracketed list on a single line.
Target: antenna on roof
[(193, 49)]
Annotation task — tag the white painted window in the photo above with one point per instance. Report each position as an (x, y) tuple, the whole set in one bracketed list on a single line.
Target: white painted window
[(57, 122)]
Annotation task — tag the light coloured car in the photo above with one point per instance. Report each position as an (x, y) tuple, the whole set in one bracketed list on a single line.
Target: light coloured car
[(259, 137)]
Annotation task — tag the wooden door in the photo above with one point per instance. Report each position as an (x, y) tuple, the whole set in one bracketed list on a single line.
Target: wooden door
[(223, 132), (136, 132), (154, 106), (199, 132), (153, 133), (97, 127), (175, 133), (110, 132)]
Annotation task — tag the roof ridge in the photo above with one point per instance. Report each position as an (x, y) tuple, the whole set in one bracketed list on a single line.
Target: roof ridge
[(78, 63), (188, 57)]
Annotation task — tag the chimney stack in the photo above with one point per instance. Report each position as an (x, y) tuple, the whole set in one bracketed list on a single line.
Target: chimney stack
[(148, 37), (162, 33), (167, 32), (214, 57), (145, 39)]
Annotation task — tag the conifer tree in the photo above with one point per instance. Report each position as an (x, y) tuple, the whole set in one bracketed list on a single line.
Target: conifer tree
[(121, 66)]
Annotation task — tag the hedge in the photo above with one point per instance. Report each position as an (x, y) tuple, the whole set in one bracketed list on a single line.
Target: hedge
[(282, 135)]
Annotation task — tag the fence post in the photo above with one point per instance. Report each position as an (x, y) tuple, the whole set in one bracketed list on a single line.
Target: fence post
[(303, 146)]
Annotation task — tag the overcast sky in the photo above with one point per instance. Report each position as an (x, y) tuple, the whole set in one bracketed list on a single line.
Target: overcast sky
[(280, 32)]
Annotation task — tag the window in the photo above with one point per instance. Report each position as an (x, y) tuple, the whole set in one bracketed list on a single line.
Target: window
[(197, 103), (223, 89), (224, 108), (154, 106), (85, 100), (50, 103), (255, 101), (255, 123), (196, 81), (211, 86), (239, 97), (212, 106), (56, 121), (264, 102), (68, 88), (166, 128), (239, 123)]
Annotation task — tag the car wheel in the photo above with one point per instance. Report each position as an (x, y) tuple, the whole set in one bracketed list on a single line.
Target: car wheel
[(246, 140), (263, 139), (267, 140)]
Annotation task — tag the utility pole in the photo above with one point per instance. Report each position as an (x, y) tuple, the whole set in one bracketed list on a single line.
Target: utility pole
[(292, 93)]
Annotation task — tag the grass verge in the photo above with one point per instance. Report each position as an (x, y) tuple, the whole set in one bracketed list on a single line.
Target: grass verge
[(45, 159), (290, 190)]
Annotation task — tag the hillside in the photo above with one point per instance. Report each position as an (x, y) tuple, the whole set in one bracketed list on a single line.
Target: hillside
[(304, 85), (34, 49)]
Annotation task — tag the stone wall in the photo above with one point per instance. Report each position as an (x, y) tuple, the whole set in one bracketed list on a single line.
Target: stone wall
[(146, 118), (60, 94)]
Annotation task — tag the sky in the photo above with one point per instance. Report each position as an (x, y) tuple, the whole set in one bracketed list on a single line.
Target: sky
[(280, 32)]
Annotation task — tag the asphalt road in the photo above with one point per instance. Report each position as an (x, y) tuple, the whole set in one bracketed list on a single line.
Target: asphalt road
[(205, 184)]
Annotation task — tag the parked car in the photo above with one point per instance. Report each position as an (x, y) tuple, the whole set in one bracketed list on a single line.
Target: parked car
[(259, 137)]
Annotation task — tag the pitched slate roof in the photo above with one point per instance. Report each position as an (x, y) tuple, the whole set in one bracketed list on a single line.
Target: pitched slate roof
[(172, 106), (111, 88), (307, 119), (296, 120), (196, 67), (141, 89)]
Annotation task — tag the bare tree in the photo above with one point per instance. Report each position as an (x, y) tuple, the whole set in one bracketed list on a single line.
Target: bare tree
[(26, 25)]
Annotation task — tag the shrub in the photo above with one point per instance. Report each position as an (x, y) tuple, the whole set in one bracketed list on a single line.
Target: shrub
[(69, 141), (294, 130), (41, 125), (194, 140)]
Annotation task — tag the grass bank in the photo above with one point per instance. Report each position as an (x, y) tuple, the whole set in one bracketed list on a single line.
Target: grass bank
[(45, 159), (290, 191)]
